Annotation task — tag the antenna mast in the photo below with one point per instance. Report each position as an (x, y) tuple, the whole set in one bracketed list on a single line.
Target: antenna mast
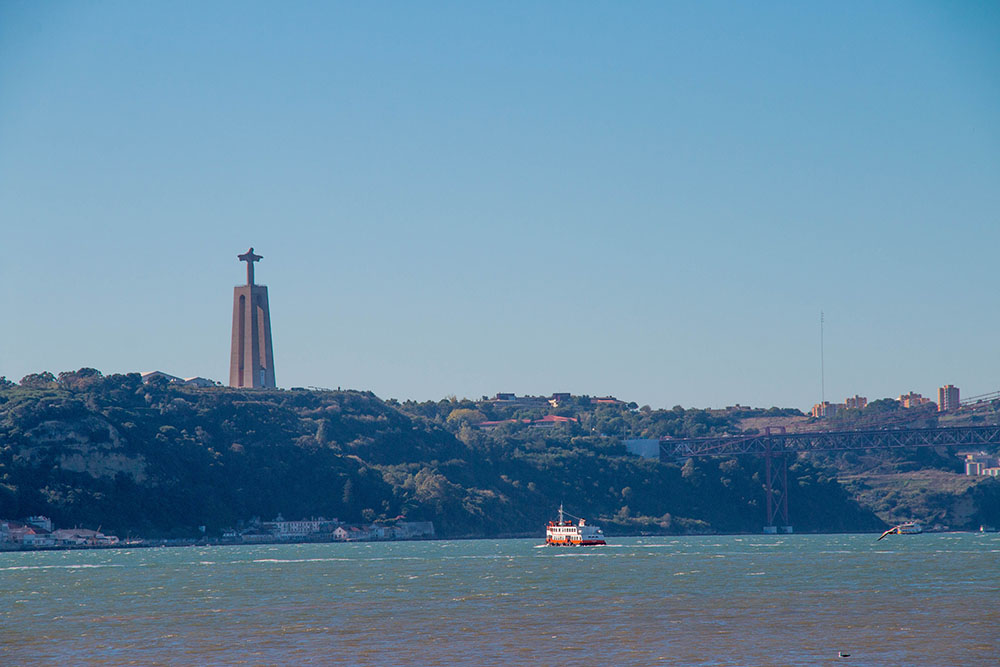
[(822, 362)]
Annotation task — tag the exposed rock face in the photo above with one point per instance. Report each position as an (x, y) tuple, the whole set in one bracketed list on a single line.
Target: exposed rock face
[(89, 445)]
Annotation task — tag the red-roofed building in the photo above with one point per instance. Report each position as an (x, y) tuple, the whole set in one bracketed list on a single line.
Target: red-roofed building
[(607, 400), (547, 421), (486, 426)]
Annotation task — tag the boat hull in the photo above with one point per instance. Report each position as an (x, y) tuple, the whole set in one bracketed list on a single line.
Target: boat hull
[(578, 543)]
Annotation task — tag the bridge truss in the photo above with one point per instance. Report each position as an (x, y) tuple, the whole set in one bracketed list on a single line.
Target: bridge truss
[(775, 446)]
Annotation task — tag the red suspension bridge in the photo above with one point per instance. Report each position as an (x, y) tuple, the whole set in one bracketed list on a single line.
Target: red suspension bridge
[(776, 445)]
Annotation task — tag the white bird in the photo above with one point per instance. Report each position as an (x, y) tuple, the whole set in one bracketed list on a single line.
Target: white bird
[(892, 531)]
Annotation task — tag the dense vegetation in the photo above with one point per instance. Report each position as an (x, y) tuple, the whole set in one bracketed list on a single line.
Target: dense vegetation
[(160, 460)]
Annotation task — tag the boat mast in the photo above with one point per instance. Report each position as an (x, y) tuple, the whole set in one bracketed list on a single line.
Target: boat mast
[(560, 513)]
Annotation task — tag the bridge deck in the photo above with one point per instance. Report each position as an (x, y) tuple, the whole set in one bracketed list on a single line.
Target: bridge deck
[(816, 441)]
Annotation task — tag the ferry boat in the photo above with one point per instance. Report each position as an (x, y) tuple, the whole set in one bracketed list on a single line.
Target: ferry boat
[(564, 533)]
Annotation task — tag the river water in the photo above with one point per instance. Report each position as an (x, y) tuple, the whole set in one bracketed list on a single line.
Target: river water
[(931, 599)]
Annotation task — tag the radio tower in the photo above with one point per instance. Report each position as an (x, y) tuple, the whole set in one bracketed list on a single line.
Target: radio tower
[(822, 363)]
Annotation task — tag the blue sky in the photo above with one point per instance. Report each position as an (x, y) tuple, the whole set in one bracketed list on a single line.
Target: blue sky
[(653, 200)]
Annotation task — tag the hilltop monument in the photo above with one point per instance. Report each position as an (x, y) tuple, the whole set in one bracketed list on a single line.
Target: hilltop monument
[(251, 363)]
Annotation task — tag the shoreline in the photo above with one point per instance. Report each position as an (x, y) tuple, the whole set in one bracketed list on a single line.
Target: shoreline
[(173, 544)]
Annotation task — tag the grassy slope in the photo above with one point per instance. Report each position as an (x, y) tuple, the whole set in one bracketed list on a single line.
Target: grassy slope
[(162, 460)]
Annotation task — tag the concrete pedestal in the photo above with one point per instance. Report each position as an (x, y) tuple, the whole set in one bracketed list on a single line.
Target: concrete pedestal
[(251, 361)]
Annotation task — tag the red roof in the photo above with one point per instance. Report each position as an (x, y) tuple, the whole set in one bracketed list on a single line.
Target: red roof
[(547, 419), (502, 421), (555, 418)]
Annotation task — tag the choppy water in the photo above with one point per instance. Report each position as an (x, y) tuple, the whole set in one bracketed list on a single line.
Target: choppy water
[(931, 599)]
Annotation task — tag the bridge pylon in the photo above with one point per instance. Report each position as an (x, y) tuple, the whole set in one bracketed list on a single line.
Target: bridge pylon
[(776, 446), (776, 474)]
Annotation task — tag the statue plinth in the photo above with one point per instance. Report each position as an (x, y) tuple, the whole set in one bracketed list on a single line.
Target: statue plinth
[(251, 361)]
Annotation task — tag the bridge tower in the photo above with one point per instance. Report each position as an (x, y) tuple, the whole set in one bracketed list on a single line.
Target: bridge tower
[(776, 475), (778, 445)]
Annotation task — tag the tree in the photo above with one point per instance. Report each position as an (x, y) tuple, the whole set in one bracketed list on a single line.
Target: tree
[(43, 380), (692, 473), (466, 415), (882, 405), (80, 380)]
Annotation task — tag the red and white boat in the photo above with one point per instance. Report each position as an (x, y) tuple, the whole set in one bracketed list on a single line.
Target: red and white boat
[(564, 533)]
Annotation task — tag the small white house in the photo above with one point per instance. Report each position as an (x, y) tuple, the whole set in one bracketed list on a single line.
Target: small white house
[(152, 375), (199, 382)]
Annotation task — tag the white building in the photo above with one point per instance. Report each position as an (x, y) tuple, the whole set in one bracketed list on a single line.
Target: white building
[(200, 382), (195, 381), (980, 464), (149, 376), (37, 540), (83, 537), (290, 529), (39, 521), (352, 534)]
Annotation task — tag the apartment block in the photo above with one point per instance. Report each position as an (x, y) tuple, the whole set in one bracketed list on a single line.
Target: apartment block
[(912, 400), (948, 398), (856, 402)]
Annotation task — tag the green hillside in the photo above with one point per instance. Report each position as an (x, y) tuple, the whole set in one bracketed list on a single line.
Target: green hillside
[(159, 460)]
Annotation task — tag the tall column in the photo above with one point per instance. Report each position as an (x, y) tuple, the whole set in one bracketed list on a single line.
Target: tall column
[(251, 360)]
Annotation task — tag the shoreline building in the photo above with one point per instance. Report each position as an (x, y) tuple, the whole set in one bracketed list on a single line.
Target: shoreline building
[(251, 361)]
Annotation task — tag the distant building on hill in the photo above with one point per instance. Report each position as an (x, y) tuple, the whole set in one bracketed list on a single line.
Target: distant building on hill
[(195, 381), (511, 400), (548, 421), (912, 400), (149, 376), (606, 400), (200, 382), (559, 398), (948, 398), (855, 403), (825, 410)]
